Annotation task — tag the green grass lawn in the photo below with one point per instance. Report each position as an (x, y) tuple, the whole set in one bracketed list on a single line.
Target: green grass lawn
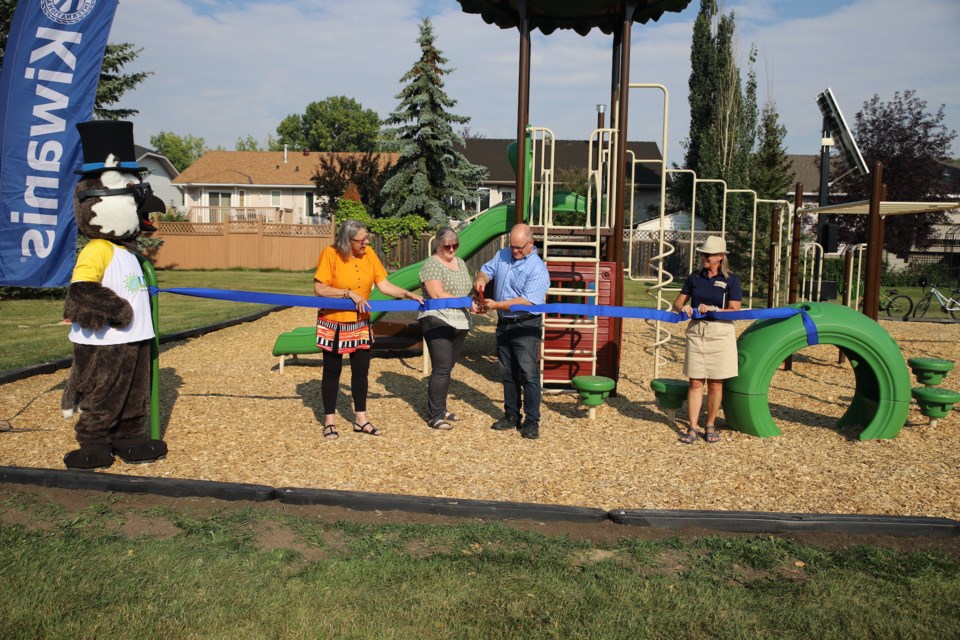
[(109, 570), (32, 331)]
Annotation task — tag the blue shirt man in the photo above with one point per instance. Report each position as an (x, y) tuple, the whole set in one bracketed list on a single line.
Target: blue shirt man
[(519, 278)]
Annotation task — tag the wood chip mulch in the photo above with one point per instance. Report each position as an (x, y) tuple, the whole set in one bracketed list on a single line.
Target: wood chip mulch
[(230, 415)]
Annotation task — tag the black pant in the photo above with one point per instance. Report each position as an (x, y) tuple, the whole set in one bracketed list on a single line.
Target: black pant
[(330, 382), (444, 344)]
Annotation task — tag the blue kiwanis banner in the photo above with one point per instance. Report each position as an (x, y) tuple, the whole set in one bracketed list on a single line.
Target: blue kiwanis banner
[(48, 83)]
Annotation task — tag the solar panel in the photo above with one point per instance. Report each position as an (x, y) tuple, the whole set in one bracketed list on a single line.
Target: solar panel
[(840, 133)]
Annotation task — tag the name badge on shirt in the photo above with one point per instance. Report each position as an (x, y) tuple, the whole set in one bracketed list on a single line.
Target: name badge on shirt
[(721, 284)]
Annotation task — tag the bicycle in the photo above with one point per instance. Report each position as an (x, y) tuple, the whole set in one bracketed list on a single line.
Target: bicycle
[(948, 305), (894, 303)]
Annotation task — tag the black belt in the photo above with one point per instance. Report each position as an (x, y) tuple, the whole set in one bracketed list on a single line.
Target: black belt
[(518, 319)]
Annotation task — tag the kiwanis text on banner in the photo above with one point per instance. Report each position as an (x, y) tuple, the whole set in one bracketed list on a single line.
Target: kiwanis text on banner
[(51, 68)]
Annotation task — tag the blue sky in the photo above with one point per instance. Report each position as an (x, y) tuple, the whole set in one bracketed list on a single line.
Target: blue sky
[(225, 69)]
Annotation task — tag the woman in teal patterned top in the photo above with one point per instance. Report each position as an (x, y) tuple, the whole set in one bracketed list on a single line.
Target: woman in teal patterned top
[(444, 275)]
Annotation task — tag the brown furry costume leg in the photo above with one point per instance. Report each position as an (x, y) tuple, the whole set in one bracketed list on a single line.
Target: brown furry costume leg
[(112, 385)]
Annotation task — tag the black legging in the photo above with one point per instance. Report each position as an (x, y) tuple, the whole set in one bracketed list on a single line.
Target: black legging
[(330, 382)]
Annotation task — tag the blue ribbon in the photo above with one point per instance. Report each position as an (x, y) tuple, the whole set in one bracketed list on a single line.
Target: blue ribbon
[(337, 304), (384, 306), (643, 313)]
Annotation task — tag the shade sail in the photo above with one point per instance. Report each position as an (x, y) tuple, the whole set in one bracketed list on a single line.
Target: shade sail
[(862, 207), (581, 16)]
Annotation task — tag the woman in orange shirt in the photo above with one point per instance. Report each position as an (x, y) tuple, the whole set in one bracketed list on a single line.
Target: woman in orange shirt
[(348, 269)]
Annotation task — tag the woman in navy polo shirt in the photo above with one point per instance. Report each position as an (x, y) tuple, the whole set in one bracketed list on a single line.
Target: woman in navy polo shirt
[(711, 341)]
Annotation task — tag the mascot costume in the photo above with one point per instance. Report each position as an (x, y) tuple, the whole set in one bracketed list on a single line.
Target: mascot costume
[(108, 305)]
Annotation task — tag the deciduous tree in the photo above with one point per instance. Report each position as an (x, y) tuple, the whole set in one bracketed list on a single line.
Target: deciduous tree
[(181, 151), (366, 172), (723, 121), (911, 142), (335, 124)]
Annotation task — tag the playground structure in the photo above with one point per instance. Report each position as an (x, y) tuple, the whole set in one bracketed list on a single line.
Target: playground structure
[(581, 242)]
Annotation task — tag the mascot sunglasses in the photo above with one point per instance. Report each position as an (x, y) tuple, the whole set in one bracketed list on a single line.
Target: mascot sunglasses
[(140, 191)]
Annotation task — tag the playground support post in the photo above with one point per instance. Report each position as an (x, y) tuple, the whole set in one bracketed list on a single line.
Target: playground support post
[(871, 297), (794, 258), (523, 109), (774, 256)]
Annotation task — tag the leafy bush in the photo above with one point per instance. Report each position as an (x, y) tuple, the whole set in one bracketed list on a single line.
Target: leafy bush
[(909, 276), (390, 230)]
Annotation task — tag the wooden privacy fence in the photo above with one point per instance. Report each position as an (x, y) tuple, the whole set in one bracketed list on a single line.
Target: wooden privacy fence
[(255, 244), (285, 247), (240, 245)]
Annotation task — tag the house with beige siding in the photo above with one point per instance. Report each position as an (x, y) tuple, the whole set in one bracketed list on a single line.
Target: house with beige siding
[(160, 175), (270, 186), (278, 186)]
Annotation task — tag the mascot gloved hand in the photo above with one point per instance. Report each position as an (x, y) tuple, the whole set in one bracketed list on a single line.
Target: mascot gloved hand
[(108, 305)]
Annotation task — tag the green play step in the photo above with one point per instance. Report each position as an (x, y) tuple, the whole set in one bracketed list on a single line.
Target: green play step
[(671, 394), (593, 390), (930, 371), (935, 402)]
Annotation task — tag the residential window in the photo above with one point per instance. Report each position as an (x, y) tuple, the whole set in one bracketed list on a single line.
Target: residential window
[(308, 203), (275, 199), (219, 203)]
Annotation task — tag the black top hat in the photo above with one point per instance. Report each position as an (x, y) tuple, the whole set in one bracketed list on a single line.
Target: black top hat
[(100, 138)]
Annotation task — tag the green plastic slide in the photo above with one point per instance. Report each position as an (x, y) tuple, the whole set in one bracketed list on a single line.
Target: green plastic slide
[(492, 223)]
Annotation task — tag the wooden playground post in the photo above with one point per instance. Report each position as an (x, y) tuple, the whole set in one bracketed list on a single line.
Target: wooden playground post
[(772, 267), (871, 296), (523, 111), (794, 258)]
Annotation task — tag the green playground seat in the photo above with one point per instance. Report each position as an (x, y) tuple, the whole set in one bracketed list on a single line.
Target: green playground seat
[(298, 341)]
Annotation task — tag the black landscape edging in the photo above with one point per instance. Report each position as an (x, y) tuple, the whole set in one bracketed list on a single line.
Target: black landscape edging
[(770, 522), (171, 487), (730, 521), (492, 509), (12, 375)]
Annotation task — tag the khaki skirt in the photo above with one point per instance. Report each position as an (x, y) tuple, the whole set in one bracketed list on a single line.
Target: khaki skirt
[(711, 350)]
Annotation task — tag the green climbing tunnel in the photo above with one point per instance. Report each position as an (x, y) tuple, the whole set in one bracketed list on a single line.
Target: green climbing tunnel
[(882, 396)]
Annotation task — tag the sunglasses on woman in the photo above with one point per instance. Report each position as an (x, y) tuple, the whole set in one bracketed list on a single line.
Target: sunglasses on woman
[(451, 247)]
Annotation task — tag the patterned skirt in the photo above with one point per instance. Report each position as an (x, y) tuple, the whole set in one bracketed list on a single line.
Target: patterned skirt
[(343, 337)]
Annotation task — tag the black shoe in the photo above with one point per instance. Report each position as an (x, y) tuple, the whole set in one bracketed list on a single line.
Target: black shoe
[(506, 422), (531, 429)]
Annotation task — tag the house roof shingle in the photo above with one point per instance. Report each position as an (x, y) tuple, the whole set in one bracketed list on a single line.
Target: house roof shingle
[(492, 153), (274, 168)]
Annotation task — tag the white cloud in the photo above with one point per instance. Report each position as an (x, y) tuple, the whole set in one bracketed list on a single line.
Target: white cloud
[(238, 69)]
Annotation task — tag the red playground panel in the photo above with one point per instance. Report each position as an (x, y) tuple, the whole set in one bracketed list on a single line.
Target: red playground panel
[(579, 340)]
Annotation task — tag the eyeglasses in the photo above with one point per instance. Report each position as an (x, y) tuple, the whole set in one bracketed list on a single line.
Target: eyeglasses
[(521, 247), (361, 241), (451, 247)]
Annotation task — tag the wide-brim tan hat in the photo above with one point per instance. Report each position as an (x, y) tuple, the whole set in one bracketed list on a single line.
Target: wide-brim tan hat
[(714, 244)]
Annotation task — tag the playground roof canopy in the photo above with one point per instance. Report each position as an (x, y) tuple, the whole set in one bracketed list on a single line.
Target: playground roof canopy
[(580, 15), (862, 207)]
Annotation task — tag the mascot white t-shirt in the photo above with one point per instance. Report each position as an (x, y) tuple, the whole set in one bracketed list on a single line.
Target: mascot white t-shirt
[(118, 270)]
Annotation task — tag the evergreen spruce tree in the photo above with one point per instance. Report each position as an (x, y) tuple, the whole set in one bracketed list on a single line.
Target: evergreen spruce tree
[(771, 177), (114, 82), (430, 178)]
